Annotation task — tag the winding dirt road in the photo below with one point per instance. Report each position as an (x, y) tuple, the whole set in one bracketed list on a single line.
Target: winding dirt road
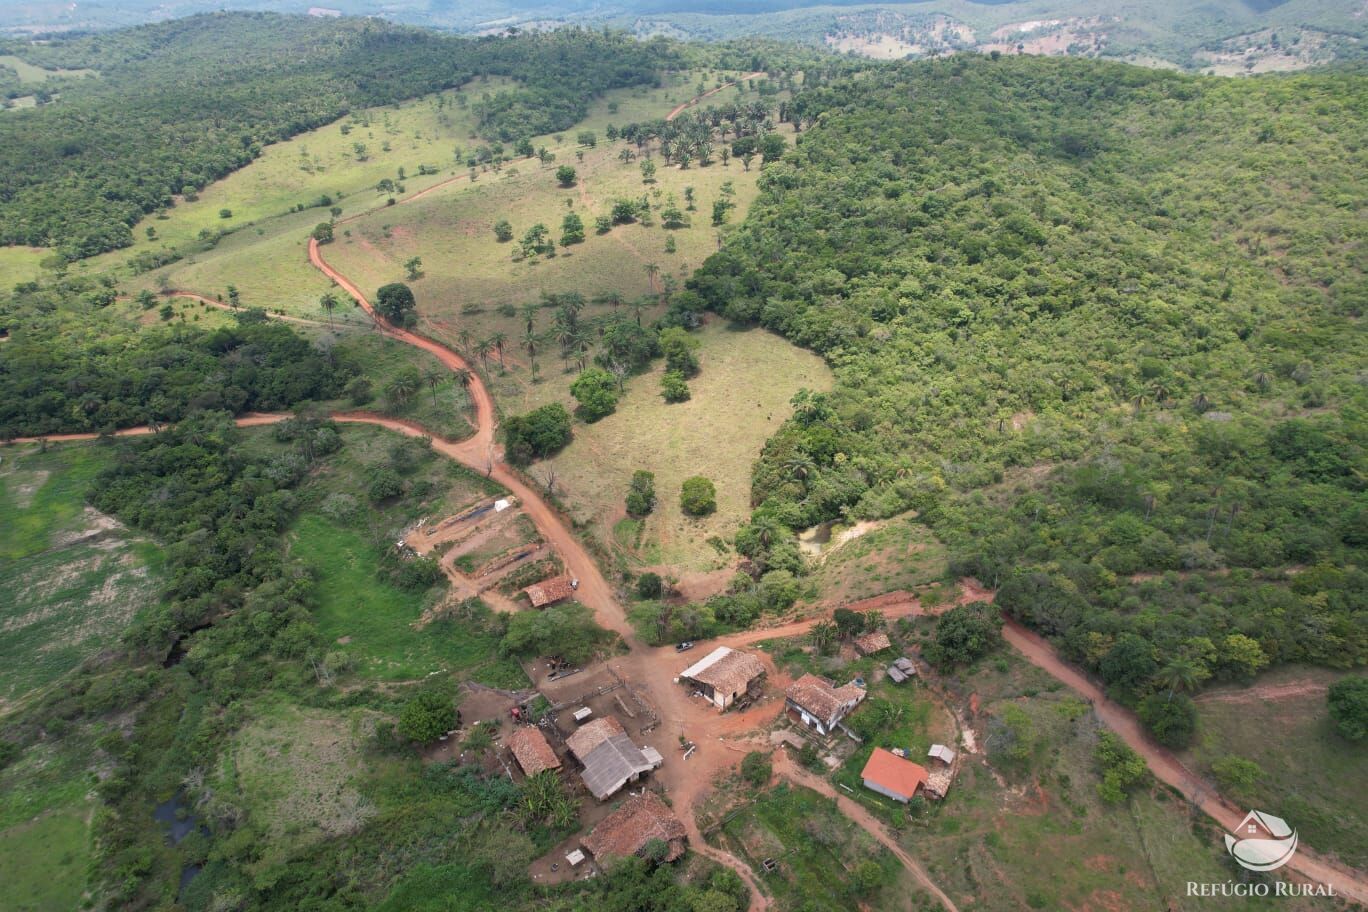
[(684, 106)]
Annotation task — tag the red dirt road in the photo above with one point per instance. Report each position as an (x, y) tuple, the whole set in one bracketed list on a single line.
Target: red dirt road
[(681, 108)]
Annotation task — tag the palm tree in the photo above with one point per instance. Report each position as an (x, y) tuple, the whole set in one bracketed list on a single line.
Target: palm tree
[(637, 307), (823, 635), (529, 313), (464, 338), (800, 467), (462, 377), (529, 344), (652, 270), (483, 348), (329, 303), (401, 388), (1180, 674), (433, 378), (498, 340)]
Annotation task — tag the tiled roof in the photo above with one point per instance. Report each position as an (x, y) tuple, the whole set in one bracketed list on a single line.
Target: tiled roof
[(874, 641), (821, 698), (550, 590), (532, 751), (725, 670), (893, 773), (590, 735), (627, 830)]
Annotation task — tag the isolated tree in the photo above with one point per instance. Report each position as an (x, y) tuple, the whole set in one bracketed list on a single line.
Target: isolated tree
[(234, 297), (596, 392), (329, 303), (572, 229), (433, 377), (427, 717), (648, 171), (395, 302), (503, 231), (641, 496), (499, 340), (323, 232), (674, 387), (482, 350), (698, 496), (413, 266), (566, 176)]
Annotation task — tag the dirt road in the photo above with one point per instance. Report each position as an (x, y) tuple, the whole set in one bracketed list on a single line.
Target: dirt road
[(681, 108)]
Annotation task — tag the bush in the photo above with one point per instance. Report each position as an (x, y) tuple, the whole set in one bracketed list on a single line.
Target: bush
[(964, 634), (503, 231), (1348, 703), (641, 496), (1121, 767), (674, 387), (596, 392), (649, 585), (698, 497), (1171, 719), (756, 768), (540, 433), (679, 349), (566, 176), (427, 717), (385, 483)]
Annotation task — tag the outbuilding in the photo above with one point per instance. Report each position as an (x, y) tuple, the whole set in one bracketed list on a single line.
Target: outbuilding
[(725, 674), (893, 776)]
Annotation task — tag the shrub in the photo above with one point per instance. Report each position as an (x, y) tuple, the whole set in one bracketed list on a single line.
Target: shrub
[(596, 392), (674, 387), (698, 497), (649, 585), (1348, 703), (503, 231), (427, 717), (541, 432), (1121, 767), (1172, 719), (756, 768), (641, 496), (566, 176), (964, 634)]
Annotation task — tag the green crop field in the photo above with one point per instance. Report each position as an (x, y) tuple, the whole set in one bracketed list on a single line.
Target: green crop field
[(73, 577), (738, 400)]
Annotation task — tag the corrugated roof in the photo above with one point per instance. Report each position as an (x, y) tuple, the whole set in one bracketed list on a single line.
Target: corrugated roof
[(550, 590), (591, 734), (725, 670), (874, 641), (821, 698), (532, 751), (627, 830), (610, 765), (893, 773), (942, 753)]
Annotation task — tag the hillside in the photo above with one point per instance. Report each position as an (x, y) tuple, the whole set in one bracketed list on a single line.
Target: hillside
[(1078, 329)]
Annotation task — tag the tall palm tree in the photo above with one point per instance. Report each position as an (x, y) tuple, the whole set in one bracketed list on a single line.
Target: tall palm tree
[(329, 303), (529, 313), (1180, 674), (462, 377), (529, 344), (401, 388), (433, 378), (498, 340), (464, 338), (483, 348)]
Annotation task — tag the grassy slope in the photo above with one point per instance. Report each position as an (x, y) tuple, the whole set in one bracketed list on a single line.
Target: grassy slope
[(739, 399), (42, 862)]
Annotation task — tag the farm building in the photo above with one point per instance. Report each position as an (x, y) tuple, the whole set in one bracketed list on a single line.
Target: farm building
[(551, 590), (725, 674), (872, 642), (627, 830), (901, 670), (892, 776), (532, 751), (610, 758), (819, 704), (941, 772)]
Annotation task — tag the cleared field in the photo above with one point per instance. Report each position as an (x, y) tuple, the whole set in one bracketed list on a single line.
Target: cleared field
[(816, 849), (42, 862), (296, 772), (1310, 775), (739, 399), (31, 73), (20, 264), (73, 578), (872, 558)]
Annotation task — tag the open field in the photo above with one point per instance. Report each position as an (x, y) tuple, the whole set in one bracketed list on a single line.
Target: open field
[(295, 772), (20, 264), (31, 73), (73, 577), (1310, 774), (42, 862), (746, 383), (872, 558), (816, 849)]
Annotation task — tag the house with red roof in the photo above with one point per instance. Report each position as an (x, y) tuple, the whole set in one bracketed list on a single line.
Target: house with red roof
[(893, 776)]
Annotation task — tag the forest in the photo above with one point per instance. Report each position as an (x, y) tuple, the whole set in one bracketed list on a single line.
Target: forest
[(1079, 330)]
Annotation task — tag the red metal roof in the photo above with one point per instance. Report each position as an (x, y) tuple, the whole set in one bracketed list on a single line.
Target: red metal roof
[(891, 772)]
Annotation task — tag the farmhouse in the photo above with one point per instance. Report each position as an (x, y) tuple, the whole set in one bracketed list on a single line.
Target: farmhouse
[(641, 819), (892, 776), (532, 751), (725, 674), (551, 590), (610, 758), (872, 642), (820, 705)]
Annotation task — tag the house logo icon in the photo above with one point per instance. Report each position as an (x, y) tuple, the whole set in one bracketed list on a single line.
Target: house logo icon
[(1262, 842)]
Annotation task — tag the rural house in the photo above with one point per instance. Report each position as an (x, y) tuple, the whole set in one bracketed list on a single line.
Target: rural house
[(551, 590), (532, 751), (610, 758), (725, 674), (641, 819), (820, 705), (872, 642), (892, 776)]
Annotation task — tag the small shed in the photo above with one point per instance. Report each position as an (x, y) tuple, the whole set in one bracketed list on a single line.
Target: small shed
[(552, 590), (532, 751), (942, 753), (725, 674), (872, 642)]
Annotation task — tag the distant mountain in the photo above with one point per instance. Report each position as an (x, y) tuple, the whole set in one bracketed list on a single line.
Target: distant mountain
[(1229, 37)]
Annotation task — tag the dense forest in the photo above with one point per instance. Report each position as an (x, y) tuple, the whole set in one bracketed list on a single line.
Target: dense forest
[(1099, 327), (180, 104)]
